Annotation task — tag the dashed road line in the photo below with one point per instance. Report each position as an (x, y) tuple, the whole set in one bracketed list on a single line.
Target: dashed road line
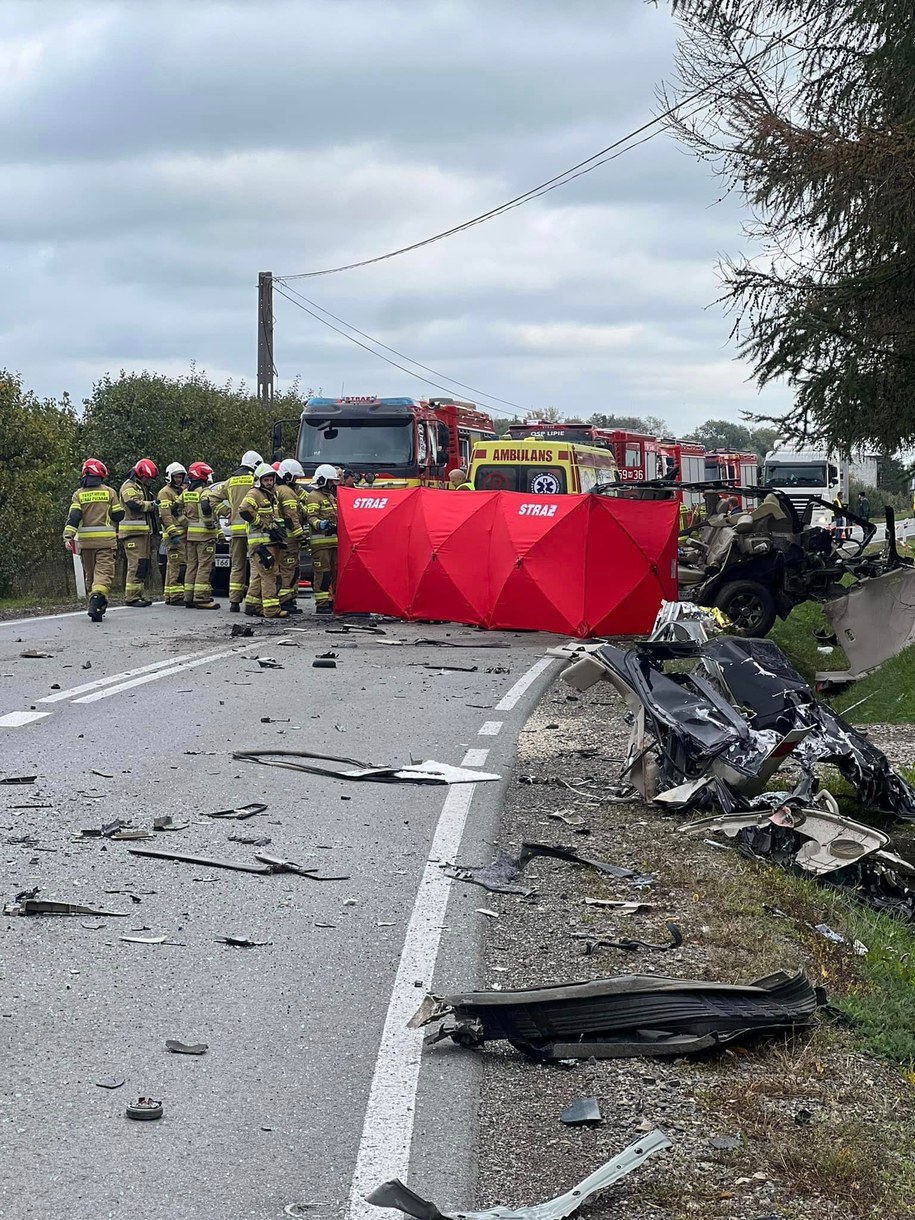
[(15, 720), (475, 758), (491, 728), (516, 693)]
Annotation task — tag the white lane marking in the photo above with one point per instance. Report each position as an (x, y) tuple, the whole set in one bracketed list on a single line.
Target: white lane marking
[(387, 1133), (48, 618), (15, 720), (475, 758), (490, 728), (174, 669), (514, 695), (127, 673)]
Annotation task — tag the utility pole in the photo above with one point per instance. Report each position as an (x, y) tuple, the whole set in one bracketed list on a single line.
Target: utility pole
[(265, 366)]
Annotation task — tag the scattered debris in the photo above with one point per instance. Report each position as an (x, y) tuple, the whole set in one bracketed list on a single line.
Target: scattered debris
[(621, 906), (87, 664), (430, 772), (496, 669), (581, 1112), (395, 1195), (455, 669), (596, 941), (167, 822), (241, 942), (268, 662), (266, 864), (110, 1082), (131, 833), (323, 663), (623, 1016), (274, 720), (103, 774), (443, 643), (144, 940), (242, 812), (251, 840), (18, 779), (27, 903), (34, 654), (184, 1048), (487, 911), (145, 1109), (106, 831), (500, 875), (241, 629)]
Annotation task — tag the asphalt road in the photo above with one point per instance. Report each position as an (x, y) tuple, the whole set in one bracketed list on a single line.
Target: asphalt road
[(301, 1031)]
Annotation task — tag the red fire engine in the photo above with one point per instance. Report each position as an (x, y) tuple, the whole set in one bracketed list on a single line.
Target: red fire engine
[(739, 468)]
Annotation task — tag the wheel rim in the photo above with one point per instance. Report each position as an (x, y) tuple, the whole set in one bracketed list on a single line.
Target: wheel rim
[(746, 610)]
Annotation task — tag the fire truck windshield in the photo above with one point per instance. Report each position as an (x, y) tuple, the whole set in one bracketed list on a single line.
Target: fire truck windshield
[(355, 442)]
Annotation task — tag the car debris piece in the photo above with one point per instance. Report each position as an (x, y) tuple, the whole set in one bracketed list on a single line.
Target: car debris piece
[(500, 875), (623, 1016), (448, 669), (429, 772), (145, 1109), (34, 654), (110, 1082), (274, 720), (241, 942), (242, 812), (582, 1112), (265, 866), (620, 905), (239, 629), (251, 840), (430, 643), (131, 833), (323, 663), (29, 904), (395, 1194), (103, 774), (167, 822), (144, 940), (268, 662), (185, 1048), (595, 941), (277, 865), (18, 779)]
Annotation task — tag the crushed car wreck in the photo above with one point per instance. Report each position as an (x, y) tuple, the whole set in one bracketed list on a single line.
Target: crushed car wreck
[(714, 736), (625, 1016)]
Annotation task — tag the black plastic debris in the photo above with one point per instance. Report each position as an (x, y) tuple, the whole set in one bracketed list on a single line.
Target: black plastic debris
[(268, 662), (624, 1016), (145, 1109), (395, 1195), (323, 663), (18, 779), (448, 669), (185, 1048), (241, 942), (241, 629), (274, 720), (594, 941), (500, 876), (581, 1113), (240, 813), (265, 864), (110, 1082), (35, 654), (443, 643), (167, 822)]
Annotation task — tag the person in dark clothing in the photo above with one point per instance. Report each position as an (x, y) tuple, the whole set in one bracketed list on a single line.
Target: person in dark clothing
[(863, 507)]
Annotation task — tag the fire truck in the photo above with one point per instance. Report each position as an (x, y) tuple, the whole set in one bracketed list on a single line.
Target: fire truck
[(391, 442), (739, 468)]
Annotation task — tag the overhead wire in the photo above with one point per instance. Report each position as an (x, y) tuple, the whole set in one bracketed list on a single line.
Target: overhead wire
[(601, 157), (393, 350), (448, 389)]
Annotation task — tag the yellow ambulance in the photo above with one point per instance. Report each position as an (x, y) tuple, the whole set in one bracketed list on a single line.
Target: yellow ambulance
[(539, 467)]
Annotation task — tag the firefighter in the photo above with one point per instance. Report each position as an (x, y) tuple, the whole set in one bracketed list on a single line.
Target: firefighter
[(174, 530), (202, 500), (321, 518), (238, 484), (292, 515), (91, 532), (136, 529), (260, 512)]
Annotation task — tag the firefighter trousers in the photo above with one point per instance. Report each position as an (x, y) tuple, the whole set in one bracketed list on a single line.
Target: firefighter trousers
[(263, 594), (289, 573), (324, 563), (238, 550), (200, 556), (98, 568), (175, 568), (136, 550)]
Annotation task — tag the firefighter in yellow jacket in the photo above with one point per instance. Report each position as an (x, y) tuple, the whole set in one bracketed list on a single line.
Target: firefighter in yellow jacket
[(202, 502), (174, 533), (238, 484), (321, 517), (260, 513), (91, 531), (136, 529), (292, 513)]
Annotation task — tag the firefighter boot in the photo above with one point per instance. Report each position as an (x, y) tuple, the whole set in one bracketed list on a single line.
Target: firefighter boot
[(98, 603)]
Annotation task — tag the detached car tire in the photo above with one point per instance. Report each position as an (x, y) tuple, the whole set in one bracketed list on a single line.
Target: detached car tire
[(750, 606)]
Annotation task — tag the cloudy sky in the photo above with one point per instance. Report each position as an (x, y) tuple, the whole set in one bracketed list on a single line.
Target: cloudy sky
[(154, 156)]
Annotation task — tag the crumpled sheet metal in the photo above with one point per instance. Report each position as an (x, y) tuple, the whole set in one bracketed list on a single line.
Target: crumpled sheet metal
[(395, 1195), (873, 621), (623, 1016), (500, 876)]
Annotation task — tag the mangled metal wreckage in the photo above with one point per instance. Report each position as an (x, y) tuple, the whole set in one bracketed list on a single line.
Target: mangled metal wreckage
[(713, 735)]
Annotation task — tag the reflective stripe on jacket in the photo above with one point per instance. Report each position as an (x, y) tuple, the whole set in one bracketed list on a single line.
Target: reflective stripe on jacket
[(238, 484), (290, 510), (321, 507), (261, 507), (95, 511), (202, 505), (137, 507), (171, 512)]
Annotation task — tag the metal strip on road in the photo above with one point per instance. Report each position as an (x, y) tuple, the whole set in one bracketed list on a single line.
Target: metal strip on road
[(108, 691), (387, 1133), (516, 693), (127, 673)]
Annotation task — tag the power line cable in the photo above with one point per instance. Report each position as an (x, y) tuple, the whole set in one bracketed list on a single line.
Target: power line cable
[(352, 339), (569, 175), (393, 350)]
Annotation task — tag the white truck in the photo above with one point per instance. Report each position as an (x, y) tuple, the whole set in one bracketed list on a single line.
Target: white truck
[(806, 474)]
